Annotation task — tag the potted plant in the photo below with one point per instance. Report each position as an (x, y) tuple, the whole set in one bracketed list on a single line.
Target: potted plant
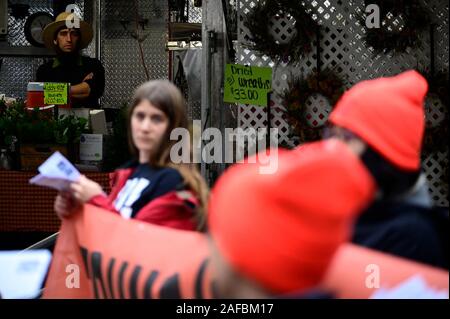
[(40, 135), (10, 115), (67, 131)]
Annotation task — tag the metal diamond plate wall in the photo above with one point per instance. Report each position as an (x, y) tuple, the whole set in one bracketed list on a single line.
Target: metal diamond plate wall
[(15, 73), (88, 17), (24, 69), (194, 14), (343, 49), (16, 35), (120, 50)]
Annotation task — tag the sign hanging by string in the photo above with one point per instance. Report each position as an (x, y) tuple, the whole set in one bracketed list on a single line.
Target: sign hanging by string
[(247, 84), (56, 93)]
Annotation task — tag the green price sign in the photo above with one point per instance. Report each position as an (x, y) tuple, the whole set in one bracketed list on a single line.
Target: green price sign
[(247, 84), (55, 93)]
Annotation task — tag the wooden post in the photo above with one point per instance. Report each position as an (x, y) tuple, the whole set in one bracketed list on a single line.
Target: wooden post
[(215, 113)]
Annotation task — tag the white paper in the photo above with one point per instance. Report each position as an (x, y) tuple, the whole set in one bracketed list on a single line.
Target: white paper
[(56, 172), (98, 122), (413, 288), (91, 147), (22, 273), (52, 182)]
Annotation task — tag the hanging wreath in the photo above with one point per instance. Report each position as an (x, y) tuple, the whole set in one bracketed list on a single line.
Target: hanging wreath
[(435, 138), (400, 25), (303, 32), (326, 83)]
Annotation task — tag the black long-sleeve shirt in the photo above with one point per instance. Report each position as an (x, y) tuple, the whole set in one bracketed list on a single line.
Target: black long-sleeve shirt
[(407, 231), (73, 71)]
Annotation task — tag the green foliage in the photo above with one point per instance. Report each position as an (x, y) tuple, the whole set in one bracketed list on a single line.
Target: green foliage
[(9, 117), (68, 129), (2, 106), (35, 132), (37, 127)]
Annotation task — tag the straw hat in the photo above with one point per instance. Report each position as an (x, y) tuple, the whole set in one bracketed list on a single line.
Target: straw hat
[(50, 30)]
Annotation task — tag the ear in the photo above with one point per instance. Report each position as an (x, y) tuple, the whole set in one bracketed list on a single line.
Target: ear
[(54, 42)]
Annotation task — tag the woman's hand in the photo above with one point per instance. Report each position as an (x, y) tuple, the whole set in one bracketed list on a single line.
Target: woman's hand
[(84, 189), (65, 205)]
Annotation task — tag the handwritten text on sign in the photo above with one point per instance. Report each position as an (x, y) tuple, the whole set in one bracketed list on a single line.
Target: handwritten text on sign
[(247, 84), (55, 93)]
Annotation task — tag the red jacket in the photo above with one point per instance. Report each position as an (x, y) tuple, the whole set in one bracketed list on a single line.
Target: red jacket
[(174, 209)]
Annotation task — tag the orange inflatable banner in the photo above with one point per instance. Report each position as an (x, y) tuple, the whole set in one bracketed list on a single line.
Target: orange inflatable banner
[(101, 255), (358, 272)]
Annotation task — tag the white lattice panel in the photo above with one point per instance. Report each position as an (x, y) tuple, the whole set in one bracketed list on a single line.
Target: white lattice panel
[(254, 115), (282, 29), (435, 110), (344, 50), (322, 11), (432, 166)]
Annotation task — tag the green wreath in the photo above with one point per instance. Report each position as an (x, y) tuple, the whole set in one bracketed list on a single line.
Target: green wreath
[(415, 19), (262, 41), (327, 83)]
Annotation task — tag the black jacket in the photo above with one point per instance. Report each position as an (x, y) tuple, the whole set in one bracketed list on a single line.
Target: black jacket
[(406, 229), (73, 71)]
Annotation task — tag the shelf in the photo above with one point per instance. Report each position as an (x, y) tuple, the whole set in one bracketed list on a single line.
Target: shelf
[(191, 31), (6, 50)]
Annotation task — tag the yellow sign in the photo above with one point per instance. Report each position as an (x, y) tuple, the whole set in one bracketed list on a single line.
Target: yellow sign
[(56, 93), (247, 84)]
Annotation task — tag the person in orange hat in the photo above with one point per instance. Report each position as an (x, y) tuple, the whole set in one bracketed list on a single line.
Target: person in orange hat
[(275, 234), (67, 36), (383, 122)]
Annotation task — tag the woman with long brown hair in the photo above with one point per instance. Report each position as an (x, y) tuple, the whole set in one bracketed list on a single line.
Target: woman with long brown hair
[(151, 187)]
